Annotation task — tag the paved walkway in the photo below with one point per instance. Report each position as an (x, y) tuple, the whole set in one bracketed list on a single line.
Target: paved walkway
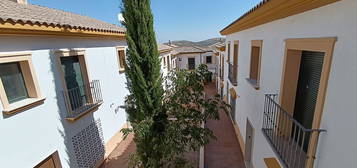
[(224, 152), (221, 153), (119, 158)]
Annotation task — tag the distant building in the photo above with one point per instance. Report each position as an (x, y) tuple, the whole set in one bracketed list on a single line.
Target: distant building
[(167, 63), (187, 57), (289, 76), (219, 50), (61, 86)]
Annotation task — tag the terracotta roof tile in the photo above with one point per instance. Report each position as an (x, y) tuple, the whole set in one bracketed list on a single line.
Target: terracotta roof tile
[(34, 14)]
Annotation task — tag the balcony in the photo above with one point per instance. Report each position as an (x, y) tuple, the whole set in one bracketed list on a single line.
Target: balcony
[(289, 138), (232, 74), (82, 99)]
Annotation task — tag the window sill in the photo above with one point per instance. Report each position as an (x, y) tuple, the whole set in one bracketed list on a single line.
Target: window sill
[(84, 113), (23, 105), (253, 83)]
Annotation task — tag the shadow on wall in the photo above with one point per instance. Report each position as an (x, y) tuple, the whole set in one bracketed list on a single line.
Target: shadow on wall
[(83, 138)]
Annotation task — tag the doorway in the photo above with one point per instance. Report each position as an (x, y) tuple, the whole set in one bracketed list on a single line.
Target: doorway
[(307, 63), (307, 90), (74, 79), (191, 63), (249, 141), (233, 108)]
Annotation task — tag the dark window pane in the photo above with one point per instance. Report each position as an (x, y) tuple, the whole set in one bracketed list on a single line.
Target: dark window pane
[(74, 81), (191, 63), (13, 81), (209, 59)]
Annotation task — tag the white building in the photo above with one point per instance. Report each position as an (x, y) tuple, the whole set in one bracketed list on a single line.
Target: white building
[(219, 51), (190, 57), (167, 63), (295, 65), (61, 86)]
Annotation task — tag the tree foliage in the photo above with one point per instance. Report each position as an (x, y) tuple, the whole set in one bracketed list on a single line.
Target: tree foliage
[(166, 124)]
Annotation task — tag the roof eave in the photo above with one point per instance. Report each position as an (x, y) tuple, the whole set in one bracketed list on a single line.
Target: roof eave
[(271, 10), (27, 29)]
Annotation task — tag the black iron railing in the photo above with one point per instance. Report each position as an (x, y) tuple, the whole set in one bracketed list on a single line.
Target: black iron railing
[(232, 74), (288, 137), (82, 98)]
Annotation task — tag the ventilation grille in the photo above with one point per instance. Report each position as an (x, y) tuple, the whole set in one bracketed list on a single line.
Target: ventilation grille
[(88, 145)]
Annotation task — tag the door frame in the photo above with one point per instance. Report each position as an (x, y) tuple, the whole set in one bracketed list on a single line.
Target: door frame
[(84, 70), (290, 74), (188, 62), (55, 159)]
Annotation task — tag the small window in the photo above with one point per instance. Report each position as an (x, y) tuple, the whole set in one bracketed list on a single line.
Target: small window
[(228, 51), (19, 89), (13, 82), (191, 63), (164, 59), (209, 60), (255, 61), (180, 59), (168, 62), (121, 59)]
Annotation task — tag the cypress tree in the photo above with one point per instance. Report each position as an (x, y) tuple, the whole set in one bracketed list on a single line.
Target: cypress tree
[(144, 103), (165, 126)]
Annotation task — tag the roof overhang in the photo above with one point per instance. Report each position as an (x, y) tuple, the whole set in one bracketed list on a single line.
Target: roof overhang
[(165, 50), (185, 53), (7, 28), (271, 10)]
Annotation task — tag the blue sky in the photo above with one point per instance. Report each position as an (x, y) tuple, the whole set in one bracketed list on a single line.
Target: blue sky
[(193, 20)]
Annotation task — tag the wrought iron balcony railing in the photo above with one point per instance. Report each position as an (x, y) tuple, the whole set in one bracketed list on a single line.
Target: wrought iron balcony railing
[(82, 99), (232, 74), (289, 138)]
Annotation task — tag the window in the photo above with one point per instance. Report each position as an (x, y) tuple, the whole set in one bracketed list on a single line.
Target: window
[(209, 60), (13, 82), (81, 95), (168, 62), (164, 59), (19, 89), (191, 63), (121, 59), (228, 51), (222, 67), (255, 61), (235, 53)]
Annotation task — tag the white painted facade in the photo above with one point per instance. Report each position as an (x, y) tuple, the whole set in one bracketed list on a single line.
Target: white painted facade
[(218, 60), (182, 60), (336, 147), (28, 137), (167, 63), (200, 58)]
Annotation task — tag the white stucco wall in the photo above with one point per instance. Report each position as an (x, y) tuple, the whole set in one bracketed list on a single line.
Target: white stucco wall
[(30, 136), (211, 66), (183, 64), (200, 58), (164, 68), (337, 147)]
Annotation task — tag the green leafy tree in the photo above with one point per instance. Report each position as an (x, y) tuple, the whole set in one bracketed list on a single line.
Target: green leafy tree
[(166, 124)]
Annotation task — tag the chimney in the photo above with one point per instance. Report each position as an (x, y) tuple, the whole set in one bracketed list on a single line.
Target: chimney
[(20, 1)]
